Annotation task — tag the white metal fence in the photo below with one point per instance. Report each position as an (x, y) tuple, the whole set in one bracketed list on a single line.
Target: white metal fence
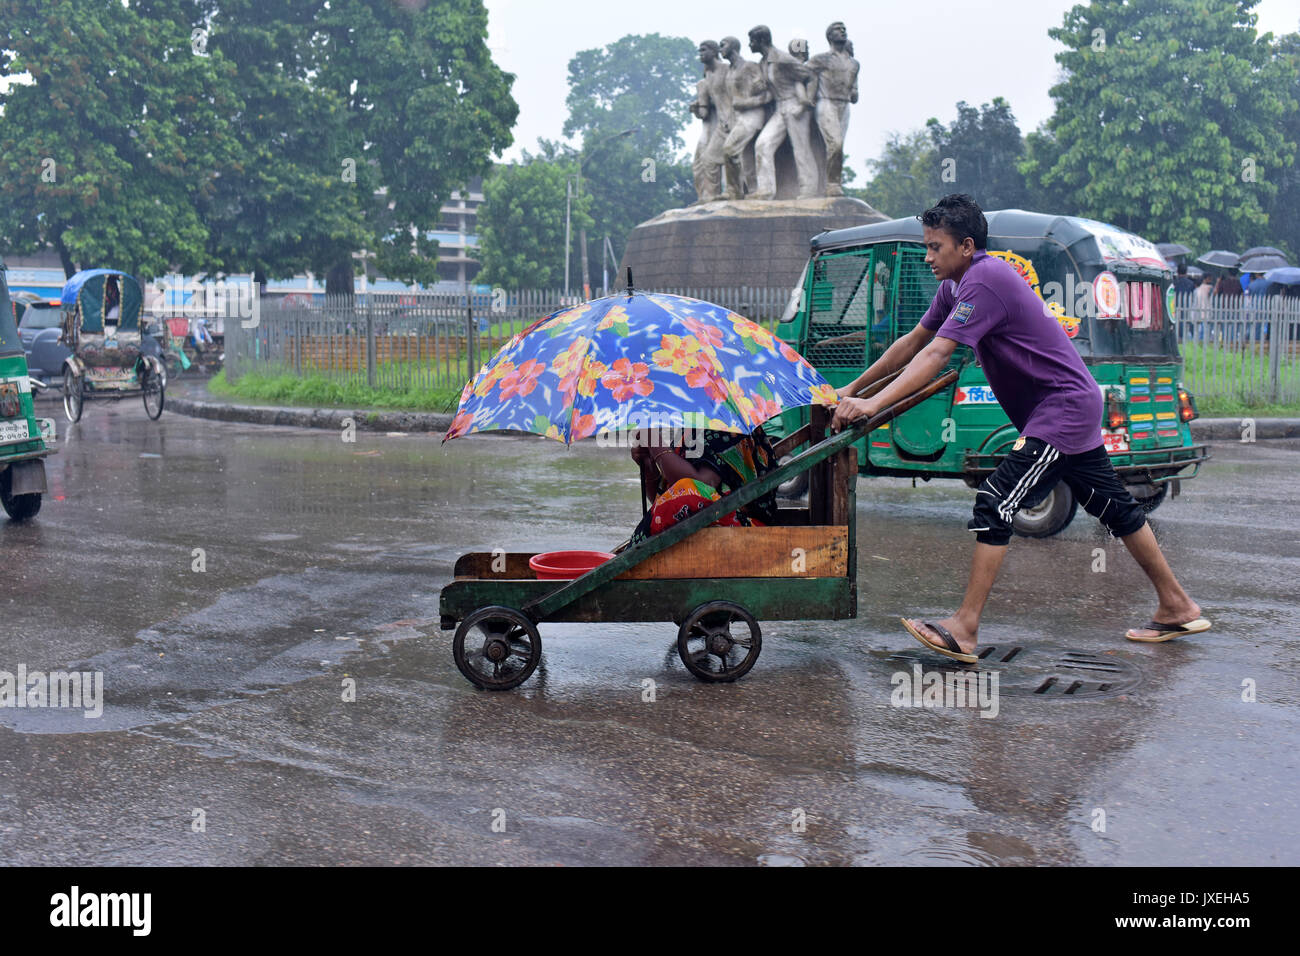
[(1232, 347), (1239, 347), (417, 340)]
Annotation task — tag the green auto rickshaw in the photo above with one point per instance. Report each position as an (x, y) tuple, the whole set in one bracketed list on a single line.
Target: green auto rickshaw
[(25, 440), (865, 286)]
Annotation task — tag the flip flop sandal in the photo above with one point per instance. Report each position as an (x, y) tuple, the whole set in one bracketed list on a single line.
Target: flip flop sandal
[(1167, 632), (952, 650)]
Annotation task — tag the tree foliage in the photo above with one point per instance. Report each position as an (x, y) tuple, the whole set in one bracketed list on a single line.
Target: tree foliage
[(283, 204), (426, 107), (121, 129), (905, 179), (629, 101), (1167, 121), (1284, 213), (521, 222), (979, 153), (289, 135)]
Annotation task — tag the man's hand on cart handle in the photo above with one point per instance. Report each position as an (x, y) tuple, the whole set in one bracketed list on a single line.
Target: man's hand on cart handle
[(914, 377)]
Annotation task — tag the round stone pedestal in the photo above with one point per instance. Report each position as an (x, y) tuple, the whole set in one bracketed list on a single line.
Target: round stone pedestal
[(753, 242)]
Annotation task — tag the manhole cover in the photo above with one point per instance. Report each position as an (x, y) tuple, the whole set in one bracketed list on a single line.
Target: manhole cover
[(1041, 671)]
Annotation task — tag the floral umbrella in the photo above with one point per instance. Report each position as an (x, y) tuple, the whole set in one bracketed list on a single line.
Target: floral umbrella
[(638, 360)]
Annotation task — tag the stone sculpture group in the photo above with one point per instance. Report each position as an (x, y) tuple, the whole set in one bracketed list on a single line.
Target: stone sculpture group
[(750, 109)]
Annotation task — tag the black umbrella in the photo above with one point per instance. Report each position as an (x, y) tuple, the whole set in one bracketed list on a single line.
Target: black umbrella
[(1262, 263), (1219, 259), (1262, 251), (1172, 250), (1195, 272)]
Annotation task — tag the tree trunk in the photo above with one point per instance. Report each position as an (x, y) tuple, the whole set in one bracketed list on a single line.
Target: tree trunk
[(65, 257), (339, 278)]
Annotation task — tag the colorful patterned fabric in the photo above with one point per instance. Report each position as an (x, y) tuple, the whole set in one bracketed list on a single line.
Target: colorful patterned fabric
[(640, 360), (738, 459)]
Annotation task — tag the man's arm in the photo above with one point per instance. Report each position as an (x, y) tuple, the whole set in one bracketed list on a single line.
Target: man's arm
[(895, 357), (918, 373)]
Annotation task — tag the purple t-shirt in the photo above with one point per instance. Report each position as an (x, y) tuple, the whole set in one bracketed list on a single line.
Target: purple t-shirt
[(1039, 379)]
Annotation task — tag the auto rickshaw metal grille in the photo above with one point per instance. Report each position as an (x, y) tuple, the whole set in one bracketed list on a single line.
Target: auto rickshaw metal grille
[(1040, 672), (916, 288), (839, 311)]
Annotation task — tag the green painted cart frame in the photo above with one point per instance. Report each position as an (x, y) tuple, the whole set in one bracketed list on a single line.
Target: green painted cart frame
[(714, 583)]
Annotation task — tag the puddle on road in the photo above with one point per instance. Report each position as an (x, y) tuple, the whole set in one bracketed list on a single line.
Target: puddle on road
[(250, 641)]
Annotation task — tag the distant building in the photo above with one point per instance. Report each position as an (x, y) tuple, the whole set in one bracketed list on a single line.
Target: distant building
[(457, 234)]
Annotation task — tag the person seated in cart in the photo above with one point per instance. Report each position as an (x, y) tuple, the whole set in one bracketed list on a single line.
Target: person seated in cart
[(684, 484), (1042, 384)]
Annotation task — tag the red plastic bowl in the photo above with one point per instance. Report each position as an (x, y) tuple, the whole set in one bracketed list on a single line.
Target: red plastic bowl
[(566, 565)]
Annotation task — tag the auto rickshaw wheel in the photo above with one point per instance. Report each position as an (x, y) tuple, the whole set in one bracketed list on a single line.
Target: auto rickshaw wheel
[(73, 395), (18, 507), (497, 648), (1149, 496), (711, 649), (152, 385), (1048, 516)]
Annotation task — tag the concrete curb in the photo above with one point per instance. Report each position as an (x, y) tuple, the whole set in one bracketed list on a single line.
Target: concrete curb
[(1203, 429), (1233, 429), (330, 418)]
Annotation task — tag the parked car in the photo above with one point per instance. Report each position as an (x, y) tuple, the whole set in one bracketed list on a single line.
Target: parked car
[(39, 328)]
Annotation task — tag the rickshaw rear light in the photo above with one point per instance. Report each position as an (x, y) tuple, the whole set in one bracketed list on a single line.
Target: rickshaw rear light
[(1186, 406), (1115, 417)]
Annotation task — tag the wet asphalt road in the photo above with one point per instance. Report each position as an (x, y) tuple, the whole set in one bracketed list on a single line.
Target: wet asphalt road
[(323, 561)]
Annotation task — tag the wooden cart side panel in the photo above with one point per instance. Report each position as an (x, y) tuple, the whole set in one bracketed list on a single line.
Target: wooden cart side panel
[(771, 599), (777, 551), (501, 565)]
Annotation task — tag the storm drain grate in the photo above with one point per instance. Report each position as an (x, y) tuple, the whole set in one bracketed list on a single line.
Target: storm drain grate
[(1043, 672)]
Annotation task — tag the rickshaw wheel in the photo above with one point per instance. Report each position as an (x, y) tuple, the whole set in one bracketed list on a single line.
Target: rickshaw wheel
[(497, 648), (152, 387), (18, 507), (73, 397), (711, 650)]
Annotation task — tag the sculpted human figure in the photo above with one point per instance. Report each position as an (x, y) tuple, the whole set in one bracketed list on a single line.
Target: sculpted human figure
[(799, 50), (713, 106), (748, 98), (789, 80), (837, 86)]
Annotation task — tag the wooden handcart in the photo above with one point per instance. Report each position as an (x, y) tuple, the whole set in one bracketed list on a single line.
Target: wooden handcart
[(714, 583)]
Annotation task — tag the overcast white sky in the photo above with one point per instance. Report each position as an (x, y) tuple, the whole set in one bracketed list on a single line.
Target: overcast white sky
[(907, 50)]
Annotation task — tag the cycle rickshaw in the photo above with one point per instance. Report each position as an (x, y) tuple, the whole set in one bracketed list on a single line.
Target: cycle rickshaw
[(101, 325)]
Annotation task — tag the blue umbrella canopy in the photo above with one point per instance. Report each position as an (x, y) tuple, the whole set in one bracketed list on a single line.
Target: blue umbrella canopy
[(1289, 275), (638, 360)]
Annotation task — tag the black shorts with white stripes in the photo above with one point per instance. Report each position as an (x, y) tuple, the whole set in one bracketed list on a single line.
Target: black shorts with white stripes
[(1031, 471)]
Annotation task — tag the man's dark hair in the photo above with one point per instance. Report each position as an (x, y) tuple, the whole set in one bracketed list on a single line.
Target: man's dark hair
[(961, 216), (1182, 268), (762, 34)]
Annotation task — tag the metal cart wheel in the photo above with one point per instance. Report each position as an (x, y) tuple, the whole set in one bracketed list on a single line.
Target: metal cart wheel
[(497, 648), (73, 398), (711, 649), (152, 386)]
